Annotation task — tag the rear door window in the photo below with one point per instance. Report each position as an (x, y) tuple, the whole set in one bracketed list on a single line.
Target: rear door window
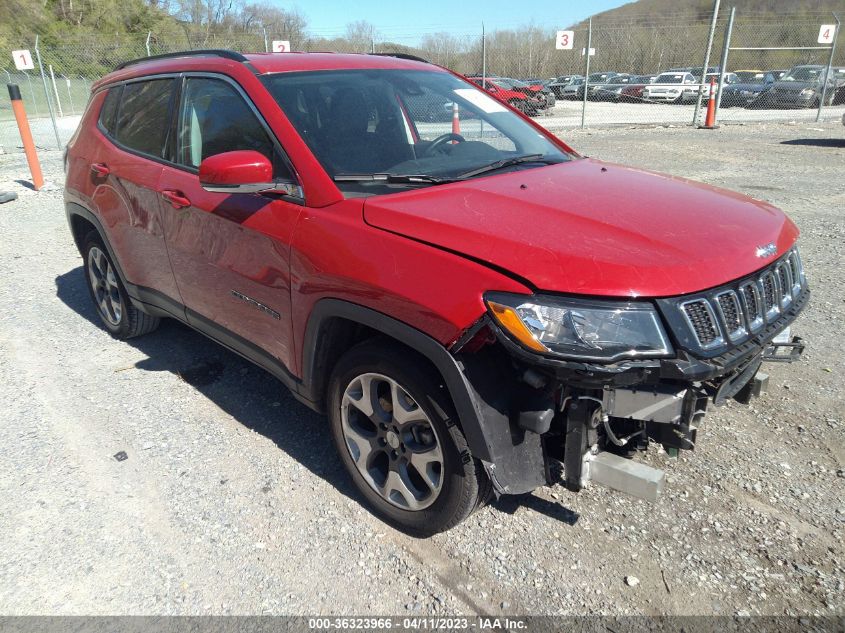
[(143, 119)]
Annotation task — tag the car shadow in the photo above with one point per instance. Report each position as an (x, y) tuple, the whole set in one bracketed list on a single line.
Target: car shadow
[(816, 142), (251, 396)]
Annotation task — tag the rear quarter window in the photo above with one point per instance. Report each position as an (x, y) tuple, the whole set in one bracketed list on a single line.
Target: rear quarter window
[(143, 118), (108, 113)]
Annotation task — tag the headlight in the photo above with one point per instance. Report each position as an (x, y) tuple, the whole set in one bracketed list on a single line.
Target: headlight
[(807, 91), (581, 329)]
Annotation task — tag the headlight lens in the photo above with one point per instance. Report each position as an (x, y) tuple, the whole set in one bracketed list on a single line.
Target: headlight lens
[(581, 329), (808, 91)]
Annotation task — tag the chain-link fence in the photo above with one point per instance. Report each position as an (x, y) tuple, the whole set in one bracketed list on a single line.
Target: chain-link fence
[(638, 73)]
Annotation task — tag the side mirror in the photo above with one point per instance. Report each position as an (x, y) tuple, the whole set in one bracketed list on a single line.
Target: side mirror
[(242, 171)]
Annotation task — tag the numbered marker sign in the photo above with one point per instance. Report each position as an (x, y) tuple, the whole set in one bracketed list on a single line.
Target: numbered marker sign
[(826, 33), (281, 46), (563, 41), (584, 52), (23, 60)]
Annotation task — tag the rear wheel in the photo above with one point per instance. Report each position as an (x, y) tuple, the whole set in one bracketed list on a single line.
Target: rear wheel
[(122, 319), (396, 431)]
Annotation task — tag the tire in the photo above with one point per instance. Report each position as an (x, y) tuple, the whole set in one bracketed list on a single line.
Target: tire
[(418, 504), (518, 105), (117, 313)]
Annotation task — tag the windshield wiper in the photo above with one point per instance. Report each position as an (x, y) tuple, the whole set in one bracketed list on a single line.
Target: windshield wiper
[(393, 178), (507, 162)]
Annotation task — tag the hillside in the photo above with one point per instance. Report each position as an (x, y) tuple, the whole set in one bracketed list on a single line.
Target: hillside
[(648, 12)]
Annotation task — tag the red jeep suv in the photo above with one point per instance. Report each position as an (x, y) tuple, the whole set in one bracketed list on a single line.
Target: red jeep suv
[(478, 313)]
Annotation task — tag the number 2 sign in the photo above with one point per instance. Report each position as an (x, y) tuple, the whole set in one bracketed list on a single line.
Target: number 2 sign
[(826, 33), (281, 46), (564, 40), (23, 60)]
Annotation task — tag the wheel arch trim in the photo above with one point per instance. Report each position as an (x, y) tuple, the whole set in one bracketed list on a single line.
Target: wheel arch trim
[(314, 372)]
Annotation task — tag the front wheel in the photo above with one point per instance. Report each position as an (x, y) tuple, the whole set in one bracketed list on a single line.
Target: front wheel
[(396, 431)]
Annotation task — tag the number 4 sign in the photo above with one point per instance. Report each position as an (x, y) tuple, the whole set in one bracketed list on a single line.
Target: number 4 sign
[(23, 60), (564, 40), (826, 33), (281, 46)]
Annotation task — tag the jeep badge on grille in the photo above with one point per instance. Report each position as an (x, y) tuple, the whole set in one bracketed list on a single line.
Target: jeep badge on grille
[(767, 251)]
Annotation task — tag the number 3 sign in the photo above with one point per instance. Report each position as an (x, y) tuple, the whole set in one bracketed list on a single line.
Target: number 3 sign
[(563, 41), (23, 60)]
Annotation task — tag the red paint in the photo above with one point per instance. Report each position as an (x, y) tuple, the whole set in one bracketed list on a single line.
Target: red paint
[(241, 167), (579, 227)]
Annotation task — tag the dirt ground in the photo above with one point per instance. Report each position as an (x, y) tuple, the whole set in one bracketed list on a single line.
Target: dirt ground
[(232, 500)]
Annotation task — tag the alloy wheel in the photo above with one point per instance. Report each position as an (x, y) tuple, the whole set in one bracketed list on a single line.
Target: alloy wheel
[(104, 284), (392, 442)]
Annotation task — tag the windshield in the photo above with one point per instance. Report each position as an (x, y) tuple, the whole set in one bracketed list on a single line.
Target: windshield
[(804, 74), (751, 77), (670, 79), (599, 77), (400, 122)]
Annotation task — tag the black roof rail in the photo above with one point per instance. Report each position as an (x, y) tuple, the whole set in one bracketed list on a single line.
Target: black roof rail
[(213, 52), (413, 58)]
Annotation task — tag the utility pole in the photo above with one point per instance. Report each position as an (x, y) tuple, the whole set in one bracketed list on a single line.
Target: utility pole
[(706, 57), (587, 71)]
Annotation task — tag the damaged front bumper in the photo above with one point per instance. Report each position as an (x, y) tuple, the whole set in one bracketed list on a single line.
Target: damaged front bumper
[(550, 420)]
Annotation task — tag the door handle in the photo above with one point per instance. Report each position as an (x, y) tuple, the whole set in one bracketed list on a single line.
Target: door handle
[(100, 169), (176, 198)]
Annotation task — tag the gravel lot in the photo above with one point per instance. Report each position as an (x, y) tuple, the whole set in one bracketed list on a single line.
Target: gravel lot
[(232, 501)]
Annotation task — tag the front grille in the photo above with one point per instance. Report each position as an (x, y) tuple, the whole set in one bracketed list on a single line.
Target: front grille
[(711, 321), (731, 313), (703, 322), (785, 281), (770, 293), (751, 297)]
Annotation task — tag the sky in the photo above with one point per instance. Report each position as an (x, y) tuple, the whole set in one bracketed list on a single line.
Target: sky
[(398, 20)]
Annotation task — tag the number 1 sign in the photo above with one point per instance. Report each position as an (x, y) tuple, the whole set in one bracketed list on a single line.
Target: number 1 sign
[(564, 39), (23, 60)]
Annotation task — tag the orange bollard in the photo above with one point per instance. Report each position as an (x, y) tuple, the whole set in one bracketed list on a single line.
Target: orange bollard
[(710, 119), (456, 120), (26, 136)]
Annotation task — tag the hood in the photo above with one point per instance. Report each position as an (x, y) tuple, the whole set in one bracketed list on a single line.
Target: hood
[(588, 227)]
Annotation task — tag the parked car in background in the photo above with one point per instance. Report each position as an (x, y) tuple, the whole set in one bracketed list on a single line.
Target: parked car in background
[(801, 87), (536, 90), (536, 86), (526, 102), (729, 79), (597, 78), (633, 92), (573, 88), (747, 90), (672, 87), (557, 85), (612, 90)]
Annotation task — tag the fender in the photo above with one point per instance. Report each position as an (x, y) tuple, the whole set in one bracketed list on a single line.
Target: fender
[(314, 372), (145, 299)]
